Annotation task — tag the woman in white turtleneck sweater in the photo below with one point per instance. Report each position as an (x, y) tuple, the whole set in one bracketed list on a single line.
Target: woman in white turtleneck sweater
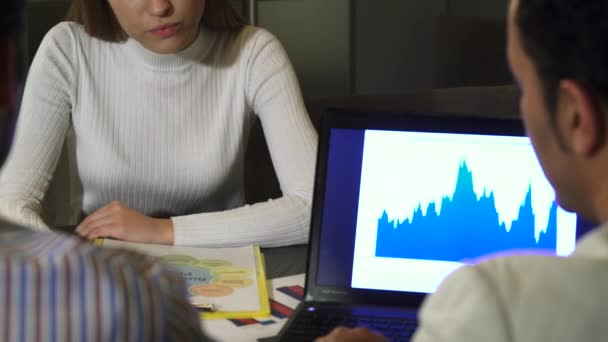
[(162, 95)]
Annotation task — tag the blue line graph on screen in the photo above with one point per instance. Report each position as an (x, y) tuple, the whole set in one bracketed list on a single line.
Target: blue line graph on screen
[(466, 227)]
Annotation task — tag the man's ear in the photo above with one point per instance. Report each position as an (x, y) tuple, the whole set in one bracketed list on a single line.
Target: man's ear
[(580, 118)]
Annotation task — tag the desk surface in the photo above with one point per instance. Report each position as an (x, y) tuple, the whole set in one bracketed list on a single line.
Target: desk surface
[(285, 261), (280, 261)]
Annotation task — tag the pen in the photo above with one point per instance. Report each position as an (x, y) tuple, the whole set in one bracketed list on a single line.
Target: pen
[(206, 307)]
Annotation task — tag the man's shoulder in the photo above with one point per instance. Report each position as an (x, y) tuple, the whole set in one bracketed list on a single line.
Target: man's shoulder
[(529, 297), (125, 286), (528, 272), (524, 279), (20, 239), (48, 248), (527, 275)]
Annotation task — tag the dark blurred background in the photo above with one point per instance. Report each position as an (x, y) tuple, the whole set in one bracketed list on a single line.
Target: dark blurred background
[(344, 47)]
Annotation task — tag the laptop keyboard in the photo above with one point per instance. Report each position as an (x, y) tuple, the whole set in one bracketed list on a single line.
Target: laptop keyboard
[(309, 325)]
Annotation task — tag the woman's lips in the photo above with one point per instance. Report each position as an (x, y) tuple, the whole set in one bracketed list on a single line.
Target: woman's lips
[(165, 30)]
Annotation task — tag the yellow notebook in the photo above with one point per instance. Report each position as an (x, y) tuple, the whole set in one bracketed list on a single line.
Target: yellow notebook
[(232, 280)]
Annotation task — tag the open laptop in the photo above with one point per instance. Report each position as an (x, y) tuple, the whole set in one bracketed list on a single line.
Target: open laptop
[(402, 200)]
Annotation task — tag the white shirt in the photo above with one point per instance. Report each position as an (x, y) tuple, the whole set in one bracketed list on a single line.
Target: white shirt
[(166, 134), (524, 298)]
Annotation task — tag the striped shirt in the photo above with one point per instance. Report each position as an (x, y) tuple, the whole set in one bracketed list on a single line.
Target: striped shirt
[(59, 288)]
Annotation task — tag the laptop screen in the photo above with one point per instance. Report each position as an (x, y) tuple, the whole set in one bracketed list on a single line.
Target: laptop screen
[(404, 208)]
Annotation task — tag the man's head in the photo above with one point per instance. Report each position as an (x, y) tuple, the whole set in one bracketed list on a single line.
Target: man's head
[(558, 52), (10, 24)]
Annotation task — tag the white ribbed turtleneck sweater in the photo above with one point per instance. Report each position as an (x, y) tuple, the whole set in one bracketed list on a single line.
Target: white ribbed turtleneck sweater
[(166, 134)]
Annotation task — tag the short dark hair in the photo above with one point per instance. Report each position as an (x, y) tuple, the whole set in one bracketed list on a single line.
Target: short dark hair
[(566, 39), (99, 20)]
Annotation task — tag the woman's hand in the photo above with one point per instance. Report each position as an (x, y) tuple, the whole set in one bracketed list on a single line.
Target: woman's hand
[(120, 222), (342, 334)]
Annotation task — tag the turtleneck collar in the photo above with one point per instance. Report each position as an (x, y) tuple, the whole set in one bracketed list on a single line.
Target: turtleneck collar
[(191, 54)]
